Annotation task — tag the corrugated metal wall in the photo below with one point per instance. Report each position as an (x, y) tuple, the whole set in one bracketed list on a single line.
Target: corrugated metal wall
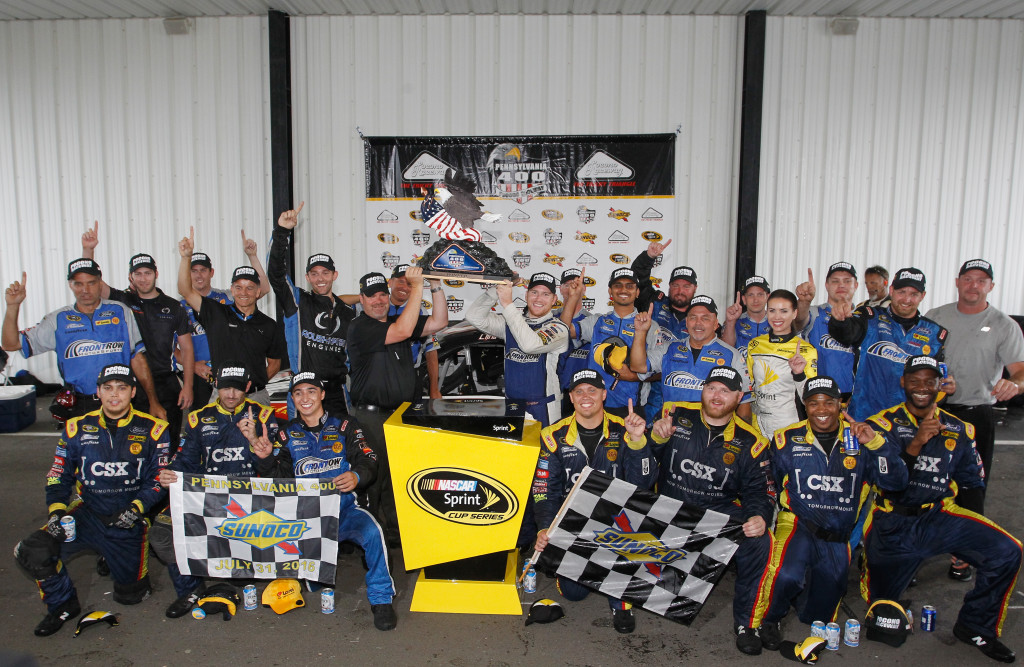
[(511, 75), (116, 121), (902, 145)]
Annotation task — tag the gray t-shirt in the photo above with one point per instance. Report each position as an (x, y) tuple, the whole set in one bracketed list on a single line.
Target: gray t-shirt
[(977, 349)]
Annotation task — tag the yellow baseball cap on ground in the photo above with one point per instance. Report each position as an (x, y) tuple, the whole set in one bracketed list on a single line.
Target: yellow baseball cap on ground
[(283, 595)]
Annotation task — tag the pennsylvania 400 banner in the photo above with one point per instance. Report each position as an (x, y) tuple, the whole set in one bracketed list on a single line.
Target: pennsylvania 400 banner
[(255, 528)]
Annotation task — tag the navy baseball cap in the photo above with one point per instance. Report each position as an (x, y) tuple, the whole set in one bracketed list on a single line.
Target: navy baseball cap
[(978, 264), (586, 376), (841, 266), (624, 272), (245, 273), (704, 300), (919, 362), (141, 261), (545, 279), (373, 283), (756, 281), (201, 259), (726, 375), (683, 273), (319, 259), (83, 265), (306, 377), (570, 274), (399, 271), (233, 375), (822, 384), (909, 277), (118, 372)]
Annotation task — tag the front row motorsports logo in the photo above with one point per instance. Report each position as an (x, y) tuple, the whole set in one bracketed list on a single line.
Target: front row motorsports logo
[(262, 529), (637, 547), (462, 496)]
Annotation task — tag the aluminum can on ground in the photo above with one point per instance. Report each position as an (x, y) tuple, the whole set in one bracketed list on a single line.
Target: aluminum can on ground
[(327, 601), (852, 635), (928, 618), (832, 636), (818, 629), (530, 581), (249, 597)]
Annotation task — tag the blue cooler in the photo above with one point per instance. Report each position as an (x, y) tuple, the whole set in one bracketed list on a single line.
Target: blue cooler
[(17, 408)]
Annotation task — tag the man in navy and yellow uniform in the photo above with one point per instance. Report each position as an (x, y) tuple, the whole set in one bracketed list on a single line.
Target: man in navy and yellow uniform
[(111, 458), (929, 518), (593, 437), (712, 459), (886, 338), (212, 444), (318, 445), (824, 468)]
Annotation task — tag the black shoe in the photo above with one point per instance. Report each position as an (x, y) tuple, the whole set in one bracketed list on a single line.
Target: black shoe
[(964, 573), (913, 582), (770, 634), (747, 640), (623, 621), (54, 620), (990, 646), (384, 616), (184, 604), (102, 568)]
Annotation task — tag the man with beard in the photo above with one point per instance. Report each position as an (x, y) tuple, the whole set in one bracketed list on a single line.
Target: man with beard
[(316, 322), (383, 376), (669, 310), (534, 339), (885, 339), (213, 444), (834, 359), (824, 467), (747, 320), (928, 517), (711, 459), (876, 280)]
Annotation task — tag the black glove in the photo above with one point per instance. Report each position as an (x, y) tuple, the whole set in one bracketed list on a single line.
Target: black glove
[(53, 526), (125, 519)]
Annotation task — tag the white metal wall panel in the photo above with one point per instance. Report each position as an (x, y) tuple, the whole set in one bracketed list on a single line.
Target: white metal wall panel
[(516, 75), (902, 145), (118, 122)]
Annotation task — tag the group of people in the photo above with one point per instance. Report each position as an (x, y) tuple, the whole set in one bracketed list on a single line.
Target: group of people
[(777, 411)]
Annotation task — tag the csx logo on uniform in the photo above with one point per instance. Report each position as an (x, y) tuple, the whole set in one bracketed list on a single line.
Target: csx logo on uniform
[(825, 483), (229, 454), (697, 470), (109, 469), (927, 464)]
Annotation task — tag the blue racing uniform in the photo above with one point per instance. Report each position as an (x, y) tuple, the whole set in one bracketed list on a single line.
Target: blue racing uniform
[(595, 329), (201, 346), (683, 368), (331, 448), (834, 359), (747, 330)]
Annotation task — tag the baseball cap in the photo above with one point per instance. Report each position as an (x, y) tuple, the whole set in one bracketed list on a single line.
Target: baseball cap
[(570, 274), (726, 375), (201, 259), (586, 376), (704, 300), (684, 273), (756, 281), (887, 621), (118, 372), (83, 265), (806, 652), (841, 266), (545, 279), (978, 264), (909, 277), (245, 273), (283, 595), (319, 259), (372, 283), (306, 377), (822, 384), (624, 272), (544, 611), (399, 271), (141, 261), (234, 375), (920, 361)]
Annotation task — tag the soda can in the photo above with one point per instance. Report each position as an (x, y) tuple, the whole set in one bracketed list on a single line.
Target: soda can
[(852, 635), (943, 370), (530, 580), (249, 597), (818, 629), (198, 613), (68, 524), (850, 442), (327, 601), (928, 618), (832, 636)]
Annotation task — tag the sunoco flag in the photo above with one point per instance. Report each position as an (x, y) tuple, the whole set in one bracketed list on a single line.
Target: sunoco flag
[(640, 547), (255, 528)]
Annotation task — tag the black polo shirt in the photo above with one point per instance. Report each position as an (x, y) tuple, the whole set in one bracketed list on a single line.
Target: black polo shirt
[(234, 337), (382, 374), (160, 320)]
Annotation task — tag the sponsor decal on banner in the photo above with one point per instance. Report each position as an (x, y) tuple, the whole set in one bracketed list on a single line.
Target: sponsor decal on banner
[(651, 214), (455, 304), (388, 238), (586, 259), (617, 237), (516, 176), (462, 496), (651, 236), (618, 214), (519, 215), (586, 237), (586, 215), (387, 216), (551, 237), (389, 261), (426, 167), (519, 237), (420, 238), (551, 214), (556, 260), (520, 260), (619, 258)]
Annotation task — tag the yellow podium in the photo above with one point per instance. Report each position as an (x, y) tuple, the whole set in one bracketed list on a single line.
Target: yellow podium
[(462, 470)]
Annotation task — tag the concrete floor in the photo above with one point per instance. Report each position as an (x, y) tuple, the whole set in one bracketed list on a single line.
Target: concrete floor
[(305, 636)]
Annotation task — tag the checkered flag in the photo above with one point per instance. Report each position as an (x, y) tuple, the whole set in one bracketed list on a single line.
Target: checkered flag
[(639, 547), (255, 528)]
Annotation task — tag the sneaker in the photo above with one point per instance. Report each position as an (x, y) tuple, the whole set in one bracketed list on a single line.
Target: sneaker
[(770, 634), (54, 620), (184, 604), (102, 568), (747, 640), (990, 646), (623, 621), (384, 616), (960, 571)]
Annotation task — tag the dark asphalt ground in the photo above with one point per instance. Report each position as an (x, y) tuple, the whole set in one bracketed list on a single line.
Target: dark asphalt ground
[(307, 637)]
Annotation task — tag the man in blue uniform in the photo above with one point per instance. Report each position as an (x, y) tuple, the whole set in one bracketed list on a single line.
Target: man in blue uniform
[(885, 339), (577, 356), (589, 437), (712, 459), (747, 319), (319, 445), (824, 468), (669, 310), (213, 444), (112, 457), (928, 517), (834, 359)]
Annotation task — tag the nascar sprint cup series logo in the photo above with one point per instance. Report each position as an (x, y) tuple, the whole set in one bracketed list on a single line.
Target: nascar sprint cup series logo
[(462, 496)]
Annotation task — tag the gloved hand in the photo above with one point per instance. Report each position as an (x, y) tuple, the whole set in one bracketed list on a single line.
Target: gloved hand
[(126, 518), (53, 526)]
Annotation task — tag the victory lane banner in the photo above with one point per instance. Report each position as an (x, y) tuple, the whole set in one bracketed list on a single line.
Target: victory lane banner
[(255, 528), (640, 547)]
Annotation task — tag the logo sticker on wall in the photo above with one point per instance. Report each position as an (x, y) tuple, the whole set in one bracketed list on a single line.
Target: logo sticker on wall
[(387, 216)]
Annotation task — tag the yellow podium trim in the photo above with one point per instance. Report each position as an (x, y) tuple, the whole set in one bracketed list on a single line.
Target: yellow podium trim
[(460, 596)]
